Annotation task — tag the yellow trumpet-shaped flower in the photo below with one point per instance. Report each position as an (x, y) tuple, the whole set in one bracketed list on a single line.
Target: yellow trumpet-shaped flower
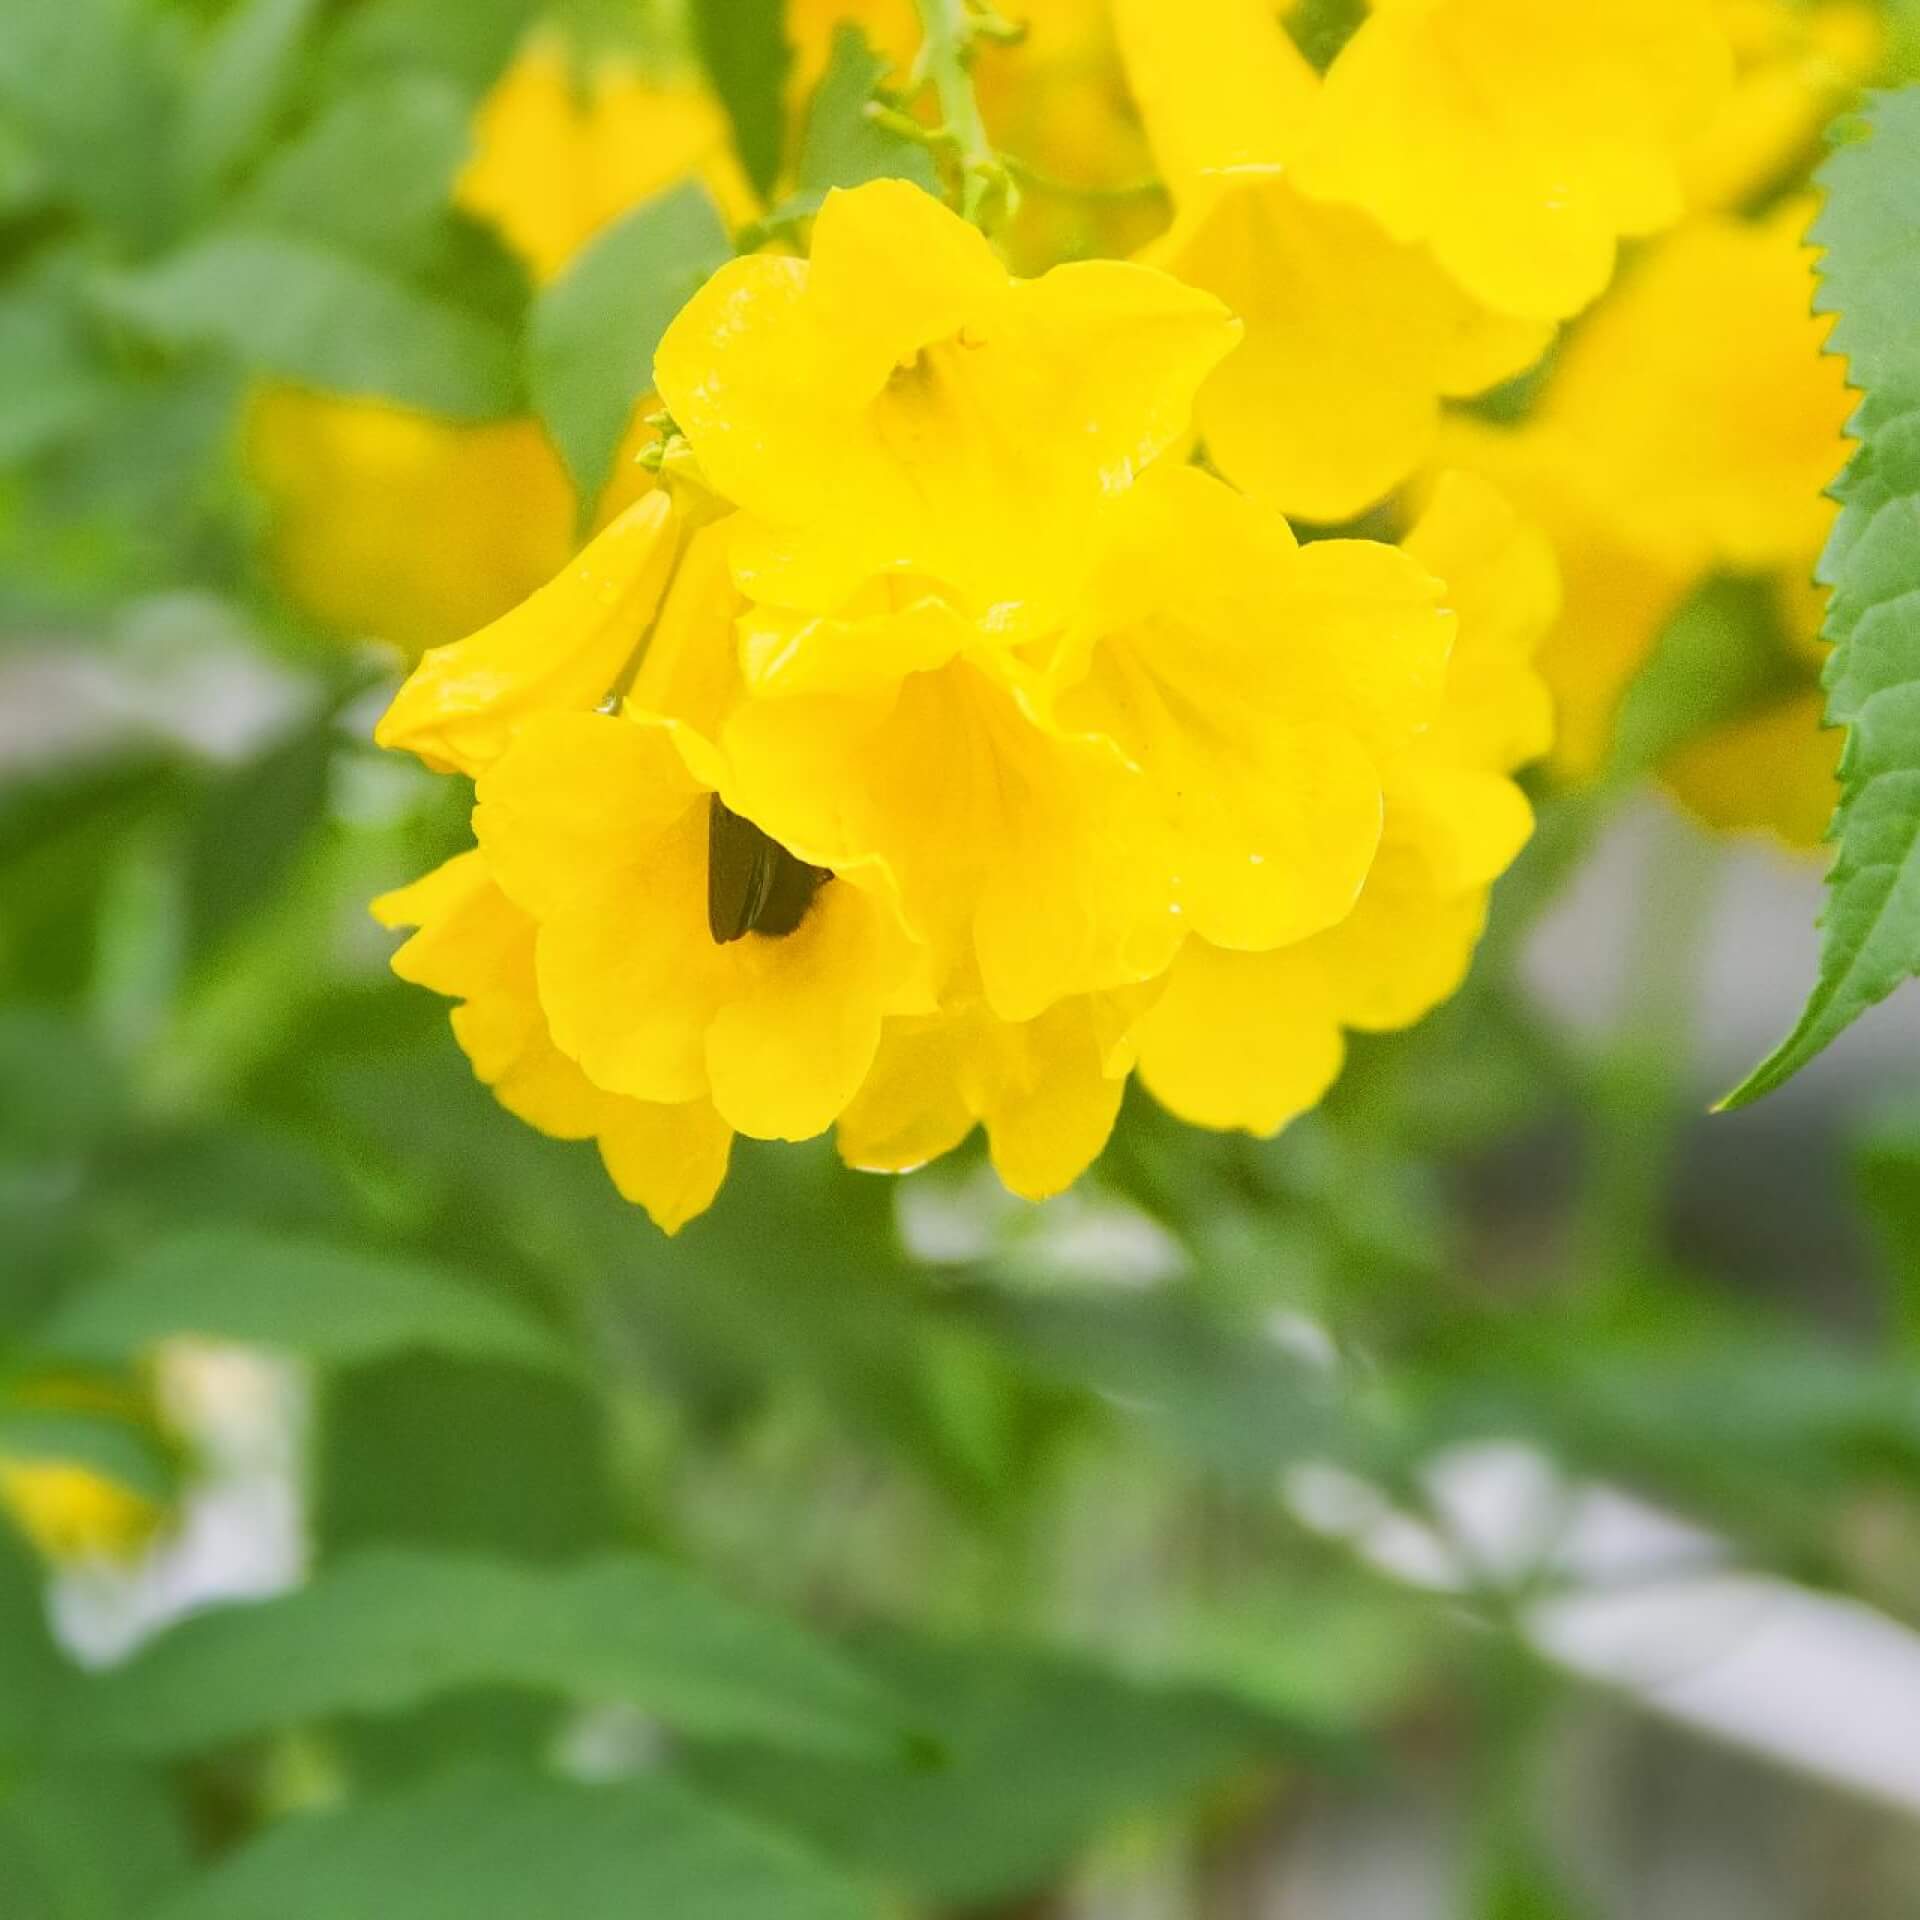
[(416, 530), (898, 404), (1795, 67), (1519, 142), (1251, 1040), (900, 792), (1691, 428), (563, 147), (561, 650), (475, 946), (1353, 337)]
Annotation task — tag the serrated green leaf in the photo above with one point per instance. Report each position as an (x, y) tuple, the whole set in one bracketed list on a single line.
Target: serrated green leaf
[(743, 44), (1870, 278), (509, 1846), (843, 147), (303, 311), (595, 330), (388, 1631), (331, 1305)]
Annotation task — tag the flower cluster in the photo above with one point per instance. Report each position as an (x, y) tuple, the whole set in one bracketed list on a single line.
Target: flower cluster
[(941, 745), (1689, 429)]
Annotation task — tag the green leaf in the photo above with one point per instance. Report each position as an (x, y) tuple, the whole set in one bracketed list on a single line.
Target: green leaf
[(1870, 278), (246, 79), (743, 44), (304, 311), (1038, 1754), (93, 82), (509, 1846), (1722, 656), (99, 1842), (468, 44), (251, 827), (119, 1449), (387, 1631), (51, 386), (373, 174), (332, 1305), (842, 146), (595, 330)]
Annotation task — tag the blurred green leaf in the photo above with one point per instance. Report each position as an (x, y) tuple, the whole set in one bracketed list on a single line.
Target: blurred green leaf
[(1870, 279), (421, 1450), (743, 44), (1722, 656), (93, 1842), (306, 312), (94, 83), (120, 1449), (383, 1632), (246, 78), (1039, 1753), (596, 328), (372, 174), (468, 43), (251, 826), (51, 385), (59, 1092), (842, 147), (332, 1305), (505, 1846), (32, 1672)]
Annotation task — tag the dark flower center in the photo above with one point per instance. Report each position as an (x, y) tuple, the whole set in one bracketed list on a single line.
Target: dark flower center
[(754, 885)]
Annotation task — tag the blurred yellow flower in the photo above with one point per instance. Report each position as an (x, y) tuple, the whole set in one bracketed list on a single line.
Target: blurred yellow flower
[(1691, 427), (562, 148), (71, 1512), (414, 529), (1519, 142), (1797, 62), (1352, 338)]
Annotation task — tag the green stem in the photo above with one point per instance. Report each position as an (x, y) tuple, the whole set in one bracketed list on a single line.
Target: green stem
[(986, 193), (1638, 1093)]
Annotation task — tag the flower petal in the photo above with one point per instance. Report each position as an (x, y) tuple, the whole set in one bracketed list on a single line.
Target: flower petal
[(670, 1160), (1245, 1041), (562, 649)]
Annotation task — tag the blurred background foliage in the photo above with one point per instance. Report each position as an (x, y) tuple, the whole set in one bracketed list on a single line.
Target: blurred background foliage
[(395, 1523)]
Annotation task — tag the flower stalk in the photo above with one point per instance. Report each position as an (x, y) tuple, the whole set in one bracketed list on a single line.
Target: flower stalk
[(950, 29)]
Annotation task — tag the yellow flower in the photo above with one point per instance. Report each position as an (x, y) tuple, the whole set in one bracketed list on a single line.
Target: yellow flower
[(475, 946), (1047, 1090), (1691, 427), (73, 1513), (1251, 1040), (898, 404), (1352, 338), (959, 731), (1774, 771), (561, 152), (1520, 142), (394, 523), (561, 650), (416, 530), (1796, 65), (1055, 101)]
